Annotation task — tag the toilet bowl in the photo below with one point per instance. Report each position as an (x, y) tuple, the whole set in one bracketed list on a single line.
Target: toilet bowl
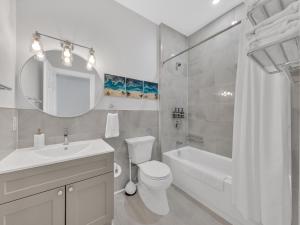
[(154, 179), (154, 176)]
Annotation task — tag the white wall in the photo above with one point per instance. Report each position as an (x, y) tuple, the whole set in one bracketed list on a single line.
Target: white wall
[(125, 43), (7, 51)]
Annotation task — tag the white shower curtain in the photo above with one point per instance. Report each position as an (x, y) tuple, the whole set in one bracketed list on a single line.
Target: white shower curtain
[(261, 143)]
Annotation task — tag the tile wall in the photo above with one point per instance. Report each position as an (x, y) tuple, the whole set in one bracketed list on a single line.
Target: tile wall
[(8, 134), (212, 74), (173, 88), (88, 126)]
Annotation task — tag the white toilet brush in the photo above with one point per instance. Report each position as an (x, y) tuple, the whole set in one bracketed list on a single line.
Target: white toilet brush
[(130, 188)]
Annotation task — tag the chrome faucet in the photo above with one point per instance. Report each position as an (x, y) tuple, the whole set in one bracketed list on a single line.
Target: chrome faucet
[(66, 134)]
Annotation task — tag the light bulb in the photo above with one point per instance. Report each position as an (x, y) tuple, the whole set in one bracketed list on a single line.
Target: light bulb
[(215, 2), (89, 67), (67, 53), (92, 58), (36, 44), (234, 22), (40, 56), (67, 61)]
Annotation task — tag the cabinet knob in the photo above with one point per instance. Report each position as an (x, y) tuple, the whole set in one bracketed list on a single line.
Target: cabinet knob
[(71, 189), (60, 193)]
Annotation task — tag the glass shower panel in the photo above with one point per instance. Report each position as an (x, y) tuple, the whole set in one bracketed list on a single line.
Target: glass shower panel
[(174, 103), (211, 90), (201, 81)]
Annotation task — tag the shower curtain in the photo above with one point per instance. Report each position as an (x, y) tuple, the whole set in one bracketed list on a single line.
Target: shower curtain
[(261, 143)]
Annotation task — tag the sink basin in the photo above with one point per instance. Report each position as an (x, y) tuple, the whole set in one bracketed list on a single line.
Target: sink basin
[(26, 158), (62, 150)]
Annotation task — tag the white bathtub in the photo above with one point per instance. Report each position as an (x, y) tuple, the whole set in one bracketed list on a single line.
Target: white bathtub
[(207, 178)]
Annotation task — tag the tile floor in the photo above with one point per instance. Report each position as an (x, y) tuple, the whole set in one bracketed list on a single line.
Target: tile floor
[(183, 211)]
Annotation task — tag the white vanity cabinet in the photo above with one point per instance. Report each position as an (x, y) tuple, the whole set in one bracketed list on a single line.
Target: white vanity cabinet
[(76, 192)]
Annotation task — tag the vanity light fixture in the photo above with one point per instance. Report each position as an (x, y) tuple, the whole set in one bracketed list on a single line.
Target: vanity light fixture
[(91, 60), (67, 57), (36, 46), (67, 48)]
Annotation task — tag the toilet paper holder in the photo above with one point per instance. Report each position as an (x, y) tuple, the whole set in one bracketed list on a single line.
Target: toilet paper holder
[(117, 170)]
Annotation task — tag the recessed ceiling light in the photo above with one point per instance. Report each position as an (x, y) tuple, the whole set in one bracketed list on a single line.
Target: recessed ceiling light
[(215, 2)]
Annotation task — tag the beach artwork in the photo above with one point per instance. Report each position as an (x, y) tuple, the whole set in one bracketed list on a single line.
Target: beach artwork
[(134, 88), (150, 90), (119, 86), (114, 85)]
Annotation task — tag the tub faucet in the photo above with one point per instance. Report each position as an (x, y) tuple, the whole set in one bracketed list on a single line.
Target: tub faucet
[(66, 134)]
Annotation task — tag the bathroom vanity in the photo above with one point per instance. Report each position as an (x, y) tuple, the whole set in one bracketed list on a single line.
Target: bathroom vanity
[(58, 185)]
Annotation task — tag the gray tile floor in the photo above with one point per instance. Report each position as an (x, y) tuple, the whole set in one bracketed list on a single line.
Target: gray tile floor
[(183, 211)]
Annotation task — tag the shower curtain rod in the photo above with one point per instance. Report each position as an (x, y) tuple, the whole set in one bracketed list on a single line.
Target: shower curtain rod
[(205, 40)]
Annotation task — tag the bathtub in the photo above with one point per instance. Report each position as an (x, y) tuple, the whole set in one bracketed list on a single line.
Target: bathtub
[(206, 177)]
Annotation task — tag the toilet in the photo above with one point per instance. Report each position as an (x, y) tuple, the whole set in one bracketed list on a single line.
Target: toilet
[(154, 176)]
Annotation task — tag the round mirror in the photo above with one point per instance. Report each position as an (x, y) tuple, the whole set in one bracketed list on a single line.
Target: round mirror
[(59, 90)]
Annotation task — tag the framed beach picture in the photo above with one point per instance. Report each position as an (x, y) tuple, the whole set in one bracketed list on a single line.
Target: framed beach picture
[(150, 90), (134, 88), (114, 85)]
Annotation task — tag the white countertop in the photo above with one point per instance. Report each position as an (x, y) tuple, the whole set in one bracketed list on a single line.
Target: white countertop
[(28, 158)]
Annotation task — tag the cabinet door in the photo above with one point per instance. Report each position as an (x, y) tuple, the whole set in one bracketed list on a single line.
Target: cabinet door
[(90, 202), (47, 208)]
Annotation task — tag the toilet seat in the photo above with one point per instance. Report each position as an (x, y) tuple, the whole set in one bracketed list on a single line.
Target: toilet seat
[(155, 170)]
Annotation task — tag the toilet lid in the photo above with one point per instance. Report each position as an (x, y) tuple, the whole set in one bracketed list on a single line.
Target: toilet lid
[(155, 169)]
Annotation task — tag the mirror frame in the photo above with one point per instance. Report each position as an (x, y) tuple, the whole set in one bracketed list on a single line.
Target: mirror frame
[(21, 90)]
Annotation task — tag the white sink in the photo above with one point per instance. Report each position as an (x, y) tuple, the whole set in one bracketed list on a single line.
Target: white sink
[(27, 158), (63, 150)]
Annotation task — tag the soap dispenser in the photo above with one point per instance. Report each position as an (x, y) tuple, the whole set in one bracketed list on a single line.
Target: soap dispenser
[(39, 139)]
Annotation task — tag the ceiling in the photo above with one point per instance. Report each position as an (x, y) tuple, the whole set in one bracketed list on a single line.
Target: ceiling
[(185, 16)]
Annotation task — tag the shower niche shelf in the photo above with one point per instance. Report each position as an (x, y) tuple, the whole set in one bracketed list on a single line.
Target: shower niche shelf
[(265, 9)]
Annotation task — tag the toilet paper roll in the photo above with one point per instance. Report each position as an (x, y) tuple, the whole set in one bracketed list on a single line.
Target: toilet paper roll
[(117, 170)]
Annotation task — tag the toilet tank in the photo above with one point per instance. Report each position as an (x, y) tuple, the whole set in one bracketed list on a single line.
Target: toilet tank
[(140, 149)]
